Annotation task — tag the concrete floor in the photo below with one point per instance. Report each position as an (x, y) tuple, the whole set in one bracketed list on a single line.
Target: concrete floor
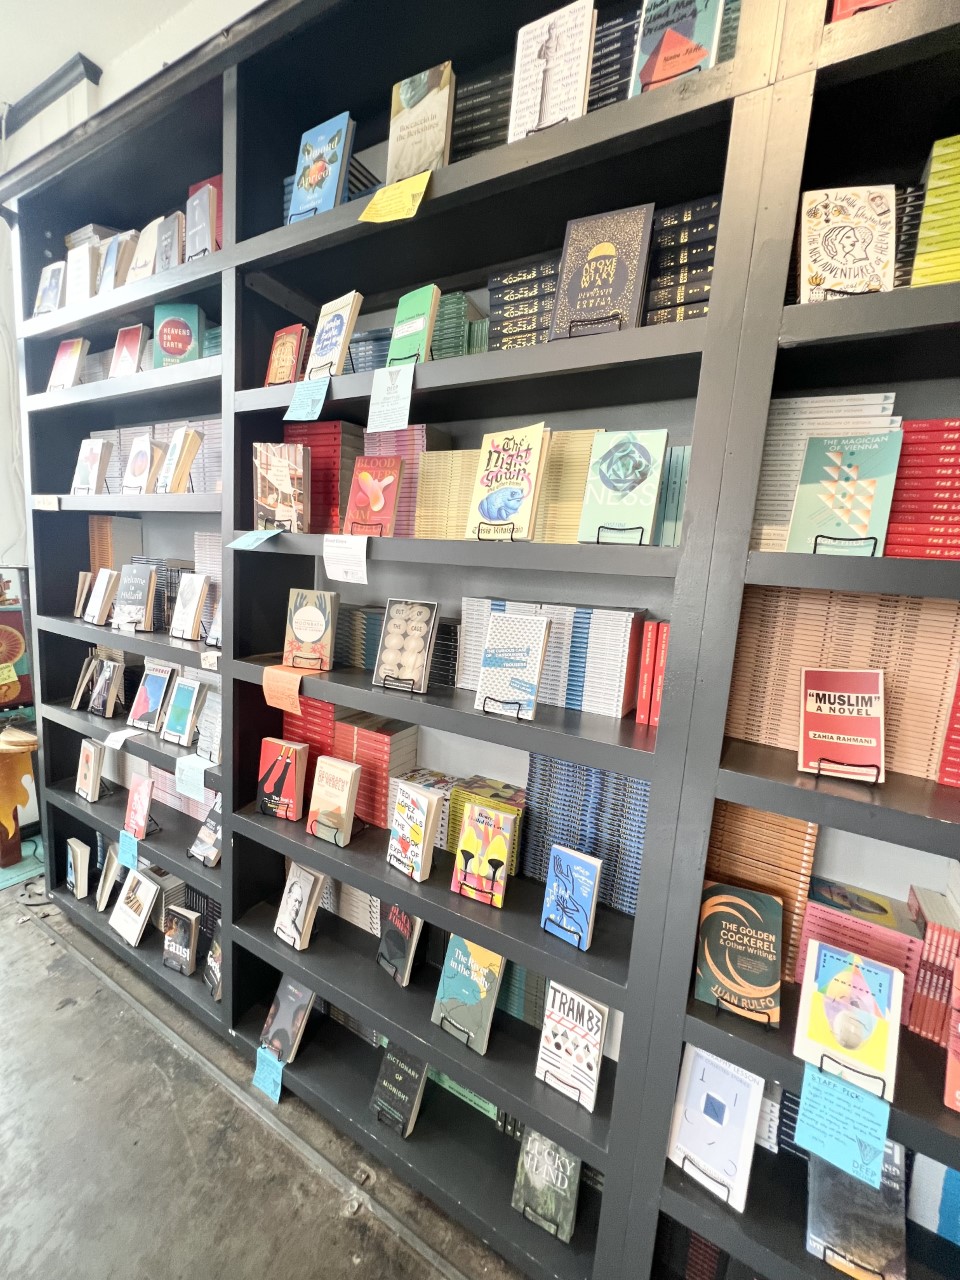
[(132, 1148)]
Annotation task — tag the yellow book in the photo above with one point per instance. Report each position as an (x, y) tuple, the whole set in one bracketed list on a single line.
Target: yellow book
[(506, 488)]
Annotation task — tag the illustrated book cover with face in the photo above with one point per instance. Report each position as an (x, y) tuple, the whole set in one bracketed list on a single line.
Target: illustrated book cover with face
[(287, 1019), (603, 271), (847, 242), (739, 956), (547, 1185), (859, 1230), (374, 492), (181, 929), (483, 854), (842, 503), (571, 1044), (623, 487), (551, 70), (467, 994), (421, 117), (406, 645), (570, 896), (677, 38), (298, 906), (311, 629), (507, 484)]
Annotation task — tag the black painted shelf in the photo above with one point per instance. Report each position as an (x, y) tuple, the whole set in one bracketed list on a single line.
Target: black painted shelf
[(939, 579), (878, 315), (886, 37), (152, 644), (158, 394)]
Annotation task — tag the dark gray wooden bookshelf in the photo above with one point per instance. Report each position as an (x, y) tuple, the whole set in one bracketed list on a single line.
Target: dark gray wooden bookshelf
[(770, 123)]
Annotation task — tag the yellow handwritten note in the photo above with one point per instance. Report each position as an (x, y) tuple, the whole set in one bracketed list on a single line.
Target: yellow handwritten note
[(8, 674), (399, 200)]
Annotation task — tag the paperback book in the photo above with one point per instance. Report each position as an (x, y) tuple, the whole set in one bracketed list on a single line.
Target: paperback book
[(547, 1185), (856, 1228), (551, 73), (333, 800), (416, 816), (571, 1044), (280, 779), (298, 906), (182, 709), (101, 597), (310, 630), (288, 355), (603, 271), (128, 351), (623, 487), (842, 504), (213, 965), (147, 709), (177, 333), (287, 1020), (507, 484), (282, 486), (208, 843), (841, 724), (188, 610), (322, 164), (174, 474), (78, 867), (399, 934), (413, 326), (467, 994), (738, 958), (847, 242), (201, 222), (137, 816), (109, 876), (374, 492), (88, 770), (66, 365), (51, 290), (482, 856), (90, 473), (570, 899), (406, 645), (181, 930), (332, 337), (676, 38), (133, 607), (512, 661), (131, 912), (143, 466), (421, 117), (399, 1090)]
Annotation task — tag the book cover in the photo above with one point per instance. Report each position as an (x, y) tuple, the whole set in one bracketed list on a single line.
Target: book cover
[(858, 1229), (714, 1126), (467, 994), (145, 255), (934, 1201), (374, 490), (332, 337), (287, 1020), (51, 289), (210, 728), (66, 365), (333, 800), (571, 1044), (676, 38), (951, 1085), (208, 842), (738, 958), (280, 778), (101, 596), (399, 1090), (483, 854), (310, 630), (128, 351), (406, 645), (188, 609), (507, 484), (88, 770), (864, 904), (551, 70), (623, 486), (414, 823), (131, 912), (143, 466), (399, 934), (841, 724), (845, 491), (547, 1184), (848, 1022), (171, 233), (137, 814), (603, 270), (322, 164), (512, 661), (146, 710), (181, 711), (213, 965), (421, 115), (413, 326), (78, 867), (570, 897), (201, 222), (105, 679), (181, 928), (83, 268), (287, 355), (108, 876), (281, 483), (298, 906), (177, 333), (175, 471), (90, 473), (847, 242), (133, 607)]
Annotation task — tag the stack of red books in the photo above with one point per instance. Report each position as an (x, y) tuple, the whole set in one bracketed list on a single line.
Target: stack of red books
[(925, 510), (334, 447)]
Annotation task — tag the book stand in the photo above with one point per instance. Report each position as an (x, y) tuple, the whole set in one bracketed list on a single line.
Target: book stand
[(106, 789), (865, 1075), (611, 528), (333, 835), (392, 360), (489, 524), (153, 826), (545, 1224), (388, 1117), (828, 537), (563, 928), (562, 1086), (401, 684), (542, 128), (484, 710), (829, 1252), (391, 969), (758, 1015), (201, 253), (593, 321), (268, 522), (851, 293), (301, 216), (677, 75), (280, 811), (365, 524), (723, 1188), (308, 665), (84, 490), (843, 764), (480, 895), (455, 1029)]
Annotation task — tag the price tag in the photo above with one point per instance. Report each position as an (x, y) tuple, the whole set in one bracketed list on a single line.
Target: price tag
[(390, 398), (189, 776), (210, 659), (843, 1124), (116, 739), (268, 1076), (46, 502), (306, 404), (8, 673), (127, 850), (255, 538), (345, 557), (399, 200)]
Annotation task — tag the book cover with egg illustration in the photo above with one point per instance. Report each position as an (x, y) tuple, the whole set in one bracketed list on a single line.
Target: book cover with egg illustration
[(374, 490), (406, 645), (571, 1046)]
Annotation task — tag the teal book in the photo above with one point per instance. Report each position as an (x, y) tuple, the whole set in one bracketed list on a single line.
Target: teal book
[(413, 326), (739, 956), (623, 485), (177, 333), (322, 164), (676, 38), (467, 994), (842, 505)]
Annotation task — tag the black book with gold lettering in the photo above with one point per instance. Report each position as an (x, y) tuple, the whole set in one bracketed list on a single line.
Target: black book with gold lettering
[(602, 272), (738, 959)]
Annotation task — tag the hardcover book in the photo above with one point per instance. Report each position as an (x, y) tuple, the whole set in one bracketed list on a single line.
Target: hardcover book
[(213, 965), (143, 466), (333, 800), (137, 814), (421, 116), (571, 1044), (78, 867), (281, 486), (602, 273), (842, 504), (332, 338), (483, 853), (287, 355), (181, 717), (570, 899), (623, 487), (183, 448), (208, 843), (841, 724), (108, 876), (848, 1023), (177, 333), (413, 830), (171, 234), (181, 930), (847, 242), (406, 645), (513, 653), (128, 351), (311, 628), (298, 906), (738, 960), (51, 289), (676, 38), (399, 934), (715, 1119), (551, 71), (287, 1019), (467, 994), (374, 490), (133, 607), (131, 912), (66, 366), (283, 767), (507, 484), (858, 1229), (413, 326), (399, 1090), (322, 164), (188, 610), (90, 473), (146, 711), (201, 222), (547, 1185)]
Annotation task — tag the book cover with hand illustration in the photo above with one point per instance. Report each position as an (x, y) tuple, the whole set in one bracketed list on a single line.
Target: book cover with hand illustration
[(570, 898)]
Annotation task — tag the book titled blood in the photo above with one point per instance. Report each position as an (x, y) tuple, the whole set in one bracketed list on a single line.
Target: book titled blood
[(841, 724)]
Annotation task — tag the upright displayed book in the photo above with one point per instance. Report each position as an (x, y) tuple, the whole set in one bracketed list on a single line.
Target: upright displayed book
[(421, 118), (288, 355), (333, 800), (676, 38), (512, 661), (507, 484), (67, 363), (374, 492), (108, 876), (280, 778), (177, 333), (547, 1185), (90, 473), (143, 466), (133, 607), (399, 934), (841, 724), (281, 486), (131, 912), (322, 164), (399, 1090), (128, 351), (571, 1044), (603, 271), (298, 906), (213, 965), (714, 1124), (78, 867), (934, 1201), (483, 853), (101, 597), (416, 816), (623, 487), (106, 684), (413, 326), (145, 254), (51, 291), (467, 994), (188, 610), (184, 446), (287, 1019), (331, 340), (171, 236), (137, 816), (570, 897), (847, 242), (146, 710), (181, 931), (207, 846), (310, 630), (406, 645), (201, 222), (84, 582), (551, 72), (842, 505), (856, 1228), (83, 269), (180, 721), (738, 957)]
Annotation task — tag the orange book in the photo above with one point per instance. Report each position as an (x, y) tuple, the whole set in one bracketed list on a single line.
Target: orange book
[(951, 1091), (648, 655), (372, 505), (656, 700)]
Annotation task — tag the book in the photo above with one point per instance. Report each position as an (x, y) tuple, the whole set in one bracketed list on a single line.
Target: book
[(676, 38), (841, 724), (128, 351), (511, 665), (188, 610), (399, 934), (66, 365), (421, 117), (90, 473), (146, 710), (287, 1019), (84, 581), (298, 906), (131, 912), (322, 164), (374, 490), (281, 486), (551, 70), (847, 242), (399, 1089), (137, 816), (143, 466), (181, 716), (570, 896), (507, 484), (101, 597), (333, 800), (934, 1200), (106, 682), (310, 630), (413, 326), (145, 255), (201, 222), (213, 965), (210, 728), (623, 487), (288, 354), (181, 930), (215, 181), (547, 1185), (331, 339), (175, 472), (858, 1229), (483, 853), (467, 994), (208, 842), (406, 645), (844, 494), (714, 1125), (171, 234), (83, 269), (280, 778), (51, 291), (848, 1022), (108, 876), (571, 1044), (133, 606), (78, 867), (603, 271), (951, 1084), (413, 830), (738, 955), (177, 333)]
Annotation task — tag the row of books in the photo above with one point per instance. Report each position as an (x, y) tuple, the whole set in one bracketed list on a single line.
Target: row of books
[(130, 463), (152, 466), (358, 643), (180, 335), (100, 259), (126, 597)]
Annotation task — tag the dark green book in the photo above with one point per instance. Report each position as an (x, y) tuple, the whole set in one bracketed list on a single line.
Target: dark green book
[(547, 1183), (738, 959)]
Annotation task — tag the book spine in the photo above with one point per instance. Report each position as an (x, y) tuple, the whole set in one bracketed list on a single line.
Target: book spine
[(656, 700), (648, 659), (675, 295), (687, 233), (673, 315), (682, 275), (670, 259), (690, 211)]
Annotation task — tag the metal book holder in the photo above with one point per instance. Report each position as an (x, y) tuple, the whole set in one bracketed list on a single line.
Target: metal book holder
[(201, 253), (829, 537), (276, 811), (850, 293), (84, 490), (484, 710), (301, 216), (392, 360), (612, 528), (401, 684), (829, 1252), (455, 1029), (756, 1015), (556, 926), (563, 1086), (333, 835), (153, 826), (542, 128), (390, 968), (677, 75), (269, 522), (365, 524), (843, 764), (593, 322), (864, 1075), (493, 524), (389, 1118), (481, 895), (724, 1190), (107, 788), (545, 1224)]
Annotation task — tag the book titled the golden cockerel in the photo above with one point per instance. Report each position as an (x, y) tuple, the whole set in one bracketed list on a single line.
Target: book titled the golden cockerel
[(738, 959)]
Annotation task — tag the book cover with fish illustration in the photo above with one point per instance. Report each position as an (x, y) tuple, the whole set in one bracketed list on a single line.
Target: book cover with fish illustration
[(844, 493), (483, 854), (311, 627), (374, 490), (507, 484), (571, 1045), (322, 164), (467, 994), (738, 961), (623, 486), (570, 900)]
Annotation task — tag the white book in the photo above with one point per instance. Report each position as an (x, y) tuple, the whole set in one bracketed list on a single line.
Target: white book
[(90, 473), (571, 1044), (332, 338), (847, 242), (143, 465), (510, 668), (413, 831), (551, 72), (131, 912), (78, 867), (145, 257), (101, 597), (188, 610)]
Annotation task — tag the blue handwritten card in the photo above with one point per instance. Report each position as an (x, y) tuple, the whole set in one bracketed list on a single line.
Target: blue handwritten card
[(269, 1074), (843, 1124)]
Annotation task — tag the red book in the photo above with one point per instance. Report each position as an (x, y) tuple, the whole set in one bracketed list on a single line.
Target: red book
[(943, 486), (936, 426), (372, 505), (847, 8), (66, 367), (942, 513), (915, 532), (648, 658), (951, 1089), (921, 470), (931, 540), (841, 724), (907, 552), (217, 184), (936, 447), (656, 699), (138, 806), (283, 767), (288, 355), (128, 351)]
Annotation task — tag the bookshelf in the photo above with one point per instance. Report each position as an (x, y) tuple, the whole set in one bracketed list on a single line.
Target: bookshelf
[(757, 127)]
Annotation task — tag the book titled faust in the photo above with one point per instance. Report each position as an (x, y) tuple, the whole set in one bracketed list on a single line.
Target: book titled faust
[(551, 72), (623, 487), (507, 485), (547, 1185), (311, 626), (602, 273), (570, 899), (571, 1044), (738, 961), (483, 854), (322, 164), (374, 490), (181, 929), (467, 994), (842, 504), (421, 116), (841, 724), (676, 38), (847, 242)]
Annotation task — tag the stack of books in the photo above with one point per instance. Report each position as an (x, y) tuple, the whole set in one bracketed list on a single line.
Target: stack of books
[(410, 445), (383, 748), (682, 251), (445, 485), (166, 793), (477, 789), (446, 654), (949, 774), (481, 114), (334, 448), (521, 303), (523, 994), (925, 508), (937, 258), (368, 350), (614, 51), (563, 486), (357, 639), (314, 726), (938, 917), (208, 560), (600, 813), (451, 332), (361, 181), (212, 341), (353, 905), (908, 217)]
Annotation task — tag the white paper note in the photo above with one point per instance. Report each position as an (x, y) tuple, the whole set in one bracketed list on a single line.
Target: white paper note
[(189, 776), (390, 398), (345, 557)]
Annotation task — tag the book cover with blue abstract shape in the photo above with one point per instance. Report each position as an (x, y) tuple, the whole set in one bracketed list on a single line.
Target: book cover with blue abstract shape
[(467, 994), (570, 901), (322, 164)]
